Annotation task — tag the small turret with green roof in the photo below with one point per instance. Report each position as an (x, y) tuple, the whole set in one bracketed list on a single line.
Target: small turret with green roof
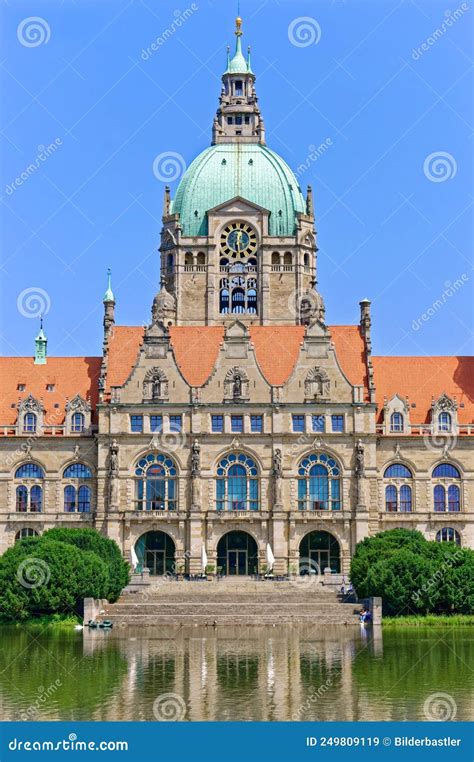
[(41, 346), (109, 296)]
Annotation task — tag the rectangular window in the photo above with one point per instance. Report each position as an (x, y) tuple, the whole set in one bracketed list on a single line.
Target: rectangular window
[(156, 423), (239, 87), (298, 423), (256, 424), (176, 423), (237, 423), (217, 424), (136, 424), (317, 422), (229, 120), (238, 119), (247, 120), (337, 423)]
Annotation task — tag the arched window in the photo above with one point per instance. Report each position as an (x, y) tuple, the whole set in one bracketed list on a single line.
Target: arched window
[(77, 423), (398, 493), (319, 484), (26, 532), (29, 494), (188, 259), (275, 258), (224, 301), (446, 491), (156, 483), (30, 422), (287, 258), (447, 534), (29, 471), (238, 300), (77, 496), (77, 471), (445, 422), (396, 422), (237, 484), (201, 258), (306, 259)]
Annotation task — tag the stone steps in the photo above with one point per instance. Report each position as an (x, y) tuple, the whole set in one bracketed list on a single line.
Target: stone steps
[(242, 602)]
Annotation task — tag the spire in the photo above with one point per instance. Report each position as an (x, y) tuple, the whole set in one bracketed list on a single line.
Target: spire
[(41, 344), (237, 64), (238, 118), (167, 201), (249, 65), (109, 296)]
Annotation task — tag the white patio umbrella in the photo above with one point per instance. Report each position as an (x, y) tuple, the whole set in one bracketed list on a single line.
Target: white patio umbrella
[(134, 558), (203, 558), (270, 557)]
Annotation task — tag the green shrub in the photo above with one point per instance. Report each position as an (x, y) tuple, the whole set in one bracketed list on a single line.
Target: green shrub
[(414, 575), (105, 548), (43, 576)]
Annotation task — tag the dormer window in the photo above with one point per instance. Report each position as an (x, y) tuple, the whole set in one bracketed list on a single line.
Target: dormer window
[(29, 423), (50, 387), (396, 422), (445, 422), (21, 387)]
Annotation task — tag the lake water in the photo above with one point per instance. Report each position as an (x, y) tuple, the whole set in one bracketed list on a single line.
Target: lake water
[(245, 673)]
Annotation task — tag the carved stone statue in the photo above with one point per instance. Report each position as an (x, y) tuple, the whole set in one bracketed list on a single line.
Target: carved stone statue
[(277, 477), (113, 459), (237, 389), (195, 458), (277, 464), (156, 389), (359, 460)]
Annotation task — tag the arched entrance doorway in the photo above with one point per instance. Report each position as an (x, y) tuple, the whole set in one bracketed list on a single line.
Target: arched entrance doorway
[(237, 554), (319, 551), (156, 551)]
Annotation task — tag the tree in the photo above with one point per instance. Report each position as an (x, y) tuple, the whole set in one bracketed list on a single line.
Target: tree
[(44, 576), (105, 548), (413, 575)]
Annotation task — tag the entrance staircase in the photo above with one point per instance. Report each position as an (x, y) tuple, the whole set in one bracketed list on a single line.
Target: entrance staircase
[(233, 601)]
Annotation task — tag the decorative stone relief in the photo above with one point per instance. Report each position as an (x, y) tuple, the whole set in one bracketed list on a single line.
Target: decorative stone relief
[(317, 385), (236, 385), (155, 385)]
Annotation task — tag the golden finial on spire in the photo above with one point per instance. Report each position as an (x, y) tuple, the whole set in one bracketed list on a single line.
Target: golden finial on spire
[(238, 25)]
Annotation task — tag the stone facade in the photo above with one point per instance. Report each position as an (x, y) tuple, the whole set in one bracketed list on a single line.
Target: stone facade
[(237, 366)]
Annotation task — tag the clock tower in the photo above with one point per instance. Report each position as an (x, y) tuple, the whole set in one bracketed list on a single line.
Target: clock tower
[(238, 238)]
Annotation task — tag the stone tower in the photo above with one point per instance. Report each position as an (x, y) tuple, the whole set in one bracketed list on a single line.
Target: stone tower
[(238, 239)]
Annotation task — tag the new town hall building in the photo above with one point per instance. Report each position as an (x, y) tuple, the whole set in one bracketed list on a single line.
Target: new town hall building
[(238, 418)]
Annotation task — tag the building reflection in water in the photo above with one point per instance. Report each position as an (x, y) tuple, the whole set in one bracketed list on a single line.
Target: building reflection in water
[(247, 673)]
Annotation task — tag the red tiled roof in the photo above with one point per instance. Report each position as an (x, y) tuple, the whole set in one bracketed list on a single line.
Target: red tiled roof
[(70, 376), (124, 343), (421, 378), (277, 349), (196, 349), (350, 351)]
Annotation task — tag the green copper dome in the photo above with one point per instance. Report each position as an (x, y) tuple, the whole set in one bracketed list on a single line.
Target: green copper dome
[(251, 171)]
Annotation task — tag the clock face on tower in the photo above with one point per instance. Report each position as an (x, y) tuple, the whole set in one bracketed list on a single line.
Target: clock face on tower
[(238, 240)]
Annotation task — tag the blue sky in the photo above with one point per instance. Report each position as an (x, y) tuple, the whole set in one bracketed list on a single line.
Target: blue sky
[(388, 95)]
